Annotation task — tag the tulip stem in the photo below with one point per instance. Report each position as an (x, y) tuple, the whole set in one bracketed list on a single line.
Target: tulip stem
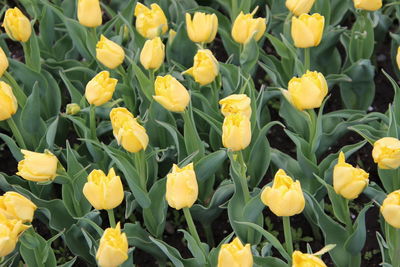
[(306, 59), (140, 164), (17, 90), (192, 227), (16, 133), (92, 121), (111, 217), (349, 222), (288, 235), (243, 178)]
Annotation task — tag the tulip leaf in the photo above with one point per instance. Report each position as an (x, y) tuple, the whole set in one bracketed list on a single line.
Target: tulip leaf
[(249, 56), (37, 253), (375, 193), (176, 136), (269, 261), (172, 253), (51, 133), (15, 150), (209, 165), (194, 248)]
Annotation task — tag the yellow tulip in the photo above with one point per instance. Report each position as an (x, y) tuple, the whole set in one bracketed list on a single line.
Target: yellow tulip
[(113, 248), (370, 5), (100, 89), (17, 26), (236, 103), (285, 197), (128, 132), (104, 192), (152, 54), (306, 260), (307, 30), (307, 92), (398, 57), (236, 132), (8, 102), (109, 53), (182, 189), (298, 7), (3, 62), (386, 153), (16, 206), (390, 209), (205, 67), (246, 27), (235, 254), (10, 230), (203, 27), (150, 22), (38, 167), (72, 109), (89, 13), (171, 94), (348, 181), (171, 36)]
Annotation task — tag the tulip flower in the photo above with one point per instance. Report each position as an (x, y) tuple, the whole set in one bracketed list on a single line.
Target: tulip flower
[(89, 13), (285, 197), (236, 104), (15, 206), (100, 89), (203, 27), (8, 102), (38, 167), (235, 254), (103, 191), (298, 7), (386, 153), (3, 62), (182, 189), (17, 26), (153, 54), (236, 132), (306, 260), (370, 5), (10, 231), (113, 249), (72, 109), (398, 57), (150, 22), (307, 92), (171, 94), (307, 30), (348, 181), (171, 36), (205, 68), (246, 27), (390, 209), (109, 53), (128, 132)]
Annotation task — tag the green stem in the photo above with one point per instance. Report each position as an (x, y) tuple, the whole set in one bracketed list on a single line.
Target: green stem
[(288, 235), (92, 121), (349, 222), (209, 234), (312, 126), (243, 177), (286, 25), (306, 59), (17, 134), (192, 228), (141, 167), (111, 217), (17, 90), (396, 247)]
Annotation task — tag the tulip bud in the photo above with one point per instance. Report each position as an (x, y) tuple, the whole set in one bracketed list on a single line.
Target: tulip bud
[(306, 260), (171, 94), (307, 92), (236, 132), (245, 27), (10, 230), (398, 57), (72, 109), (171, 36), (235, 254), (236, 104), (390, 209), (205, 67), (150, 22), (104, 192), (100, 89), (38, 167), (16, 206), (370, 5), (17, 26), (128, 132), (386, 153), (3, 62), (8, 102), (298, 7), (109, 53), (89, 13), (285, 197), (203, 27), (348, 181), (153, 53), (182, 189), (113, 249), (307, 30)]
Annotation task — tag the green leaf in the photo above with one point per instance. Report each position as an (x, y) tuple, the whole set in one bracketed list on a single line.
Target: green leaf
[(249, 55), (207, 166), (194, 248)]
